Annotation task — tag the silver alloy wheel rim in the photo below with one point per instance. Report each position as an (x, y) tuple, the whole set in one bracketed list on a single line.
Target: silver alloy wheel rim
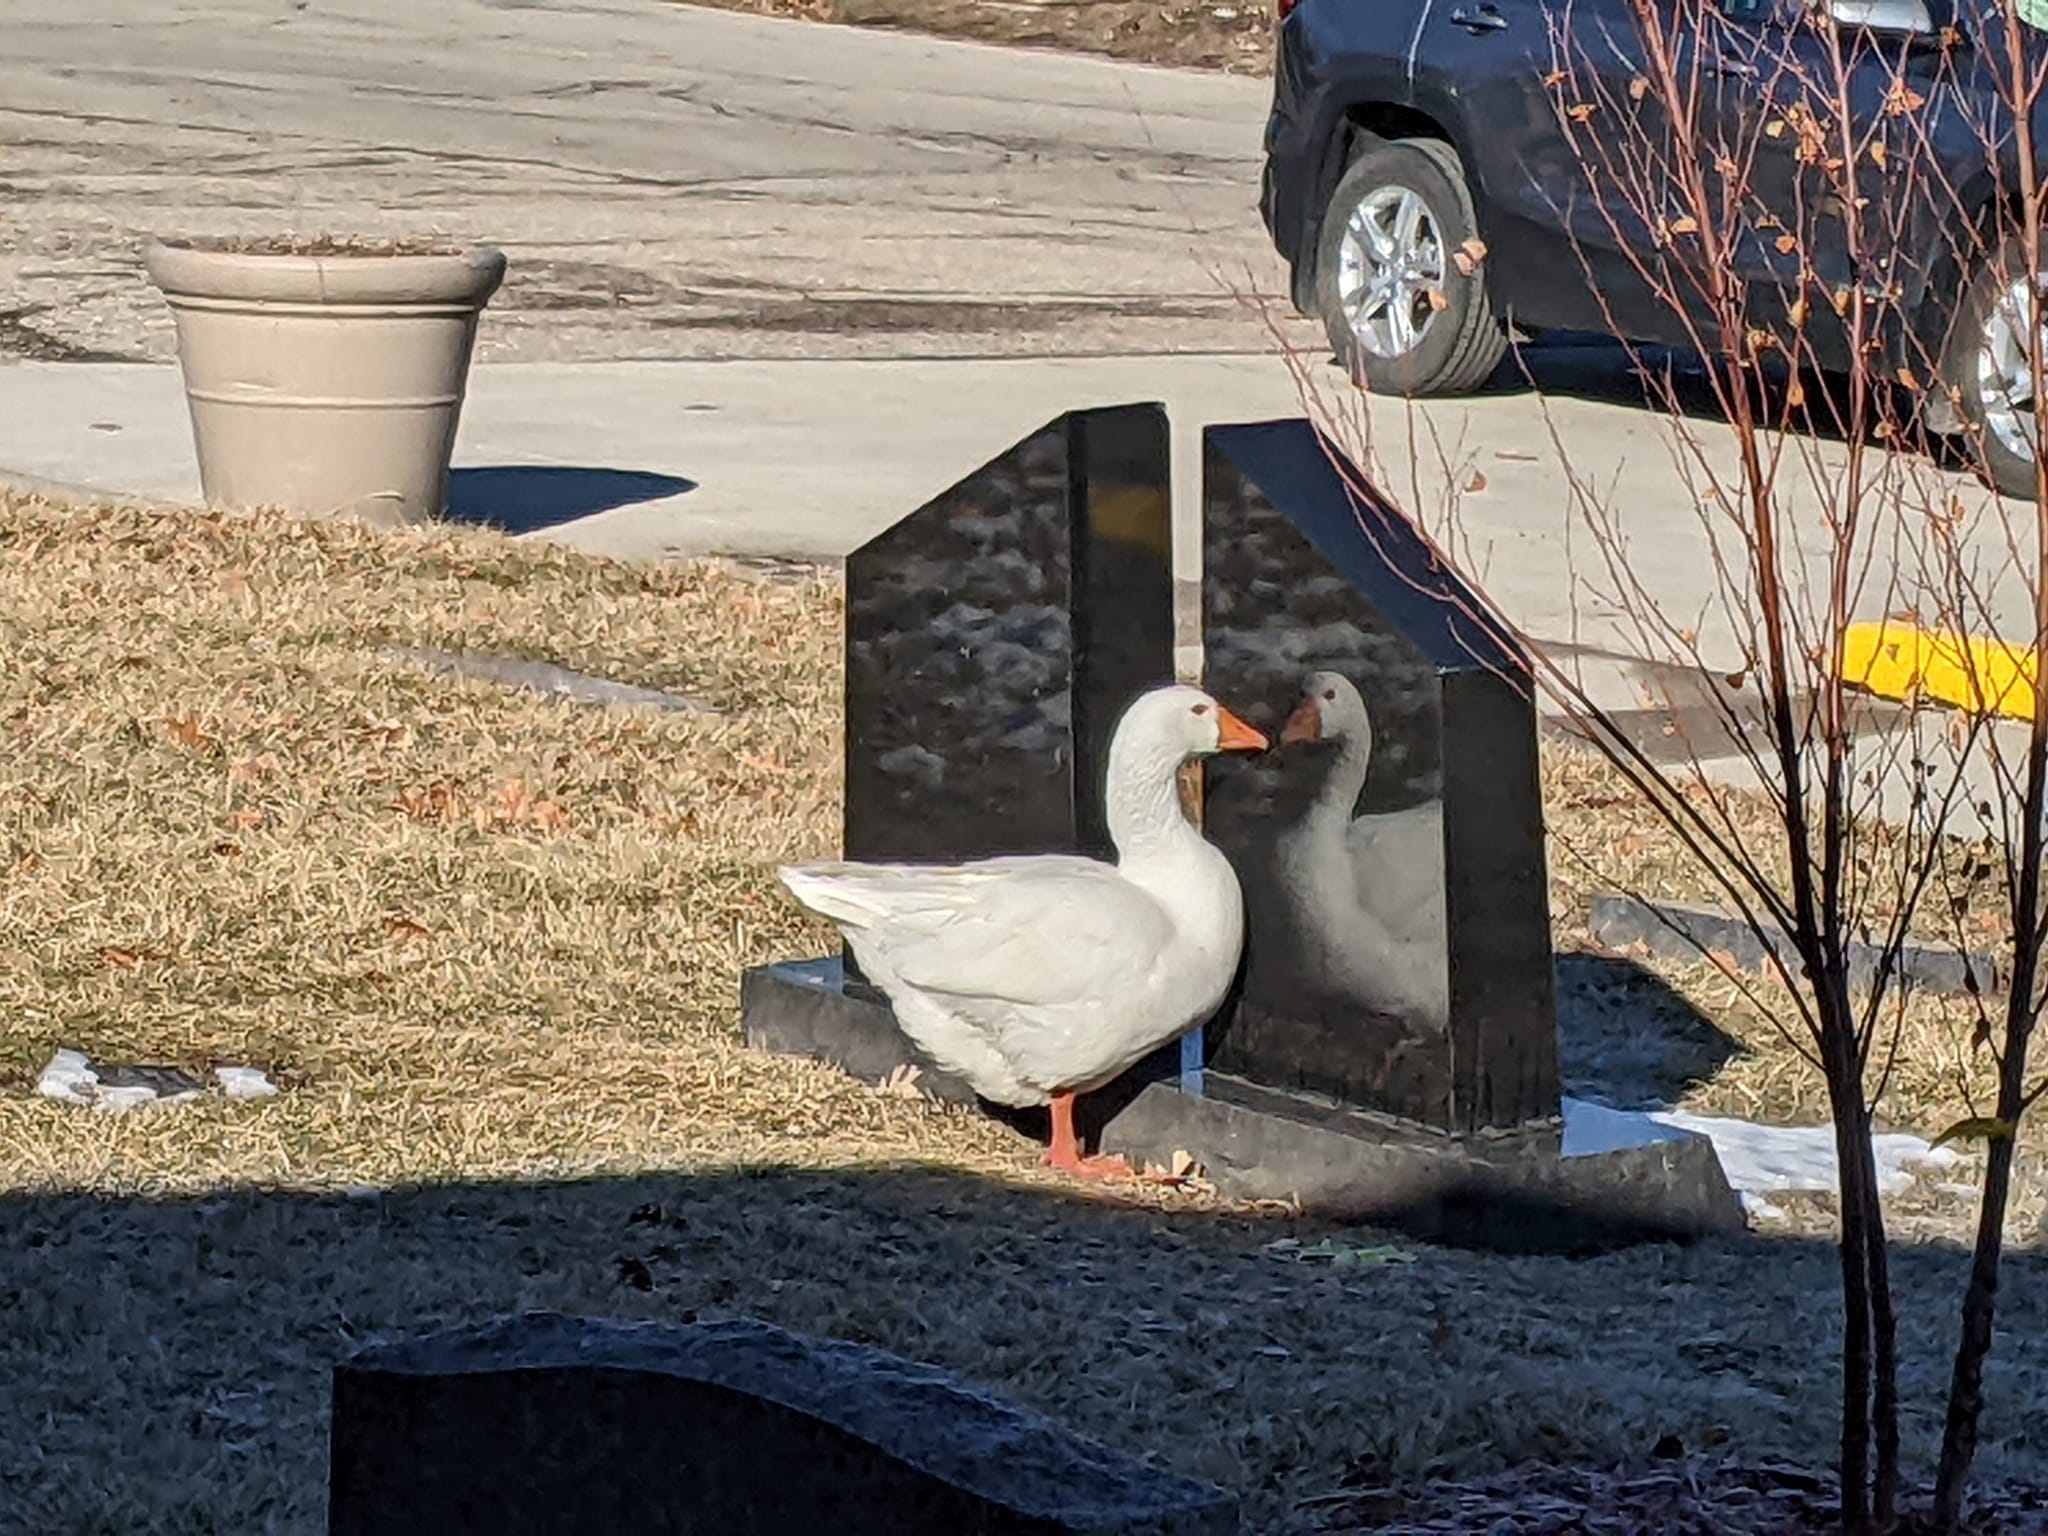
[(2005, 374), (1390, 271)]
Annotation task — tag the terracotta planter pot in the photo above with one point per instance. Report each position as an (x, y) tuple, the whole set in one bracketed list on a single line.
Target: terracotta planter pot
[(328, 385)]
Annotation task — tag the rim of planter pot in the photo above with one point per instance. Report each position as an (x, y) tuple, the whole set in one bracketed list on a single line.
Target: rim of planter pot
[(244, 271)]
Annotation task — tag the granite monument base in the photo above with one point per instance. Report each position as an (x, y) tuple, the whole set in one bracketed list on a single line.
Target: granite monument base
[(1518, 1192), (546, 1425)]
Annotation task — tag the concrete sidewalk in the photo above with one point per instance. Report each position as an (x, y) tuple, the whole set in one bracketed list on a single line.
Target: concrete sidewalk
[(807, 460), (646, 459), (810, 458)]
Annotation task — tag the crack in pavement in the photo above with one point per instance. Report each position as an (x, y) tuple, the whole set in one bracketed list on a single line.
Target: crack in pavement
[(18, 338), (956, 209)]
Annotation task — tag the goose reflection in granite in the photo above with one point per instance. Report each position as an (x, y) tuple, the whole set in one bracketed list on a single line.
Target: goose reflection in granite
[(1397, 952), (1336, 835), (1365, 892)]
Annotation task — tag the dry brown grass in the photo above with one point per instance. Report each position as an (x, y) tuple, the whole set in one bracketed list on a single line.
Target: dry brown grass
[(490, 946), (1602, 839), (233, 833)]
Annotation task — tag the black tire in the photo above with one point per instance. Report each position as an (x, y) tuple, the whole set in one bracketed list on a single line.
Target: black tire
[(1460, 345), (2003, 464)]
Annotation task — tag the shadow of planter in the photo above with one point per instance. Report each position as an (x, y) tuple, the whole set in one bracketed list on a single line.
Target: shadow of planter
[(520, 498)]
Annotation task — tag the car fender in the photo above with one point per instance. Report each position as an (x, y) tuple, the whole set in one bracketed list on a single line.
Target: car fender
[(1933, 285), (1366, 99)]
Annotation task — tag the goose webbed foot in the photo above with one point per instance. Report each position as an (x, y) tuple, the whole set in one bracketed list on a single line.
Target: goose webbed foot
[(1065, 1153)]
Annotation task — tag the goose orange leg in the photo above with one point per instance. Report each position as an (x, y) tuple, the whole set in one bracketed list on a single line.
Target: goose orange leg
[(1066, 1147)]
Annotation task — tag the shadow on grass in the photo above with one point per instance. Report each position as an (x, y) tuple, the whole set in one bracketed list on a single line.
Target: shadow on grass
[(1627, 1037), (166, 1361), (521, 498)]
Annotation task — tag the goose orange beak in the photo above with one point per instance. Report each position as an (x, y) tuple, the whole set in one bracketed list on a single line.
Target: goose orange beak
[(1305, 724), (1233, 735)]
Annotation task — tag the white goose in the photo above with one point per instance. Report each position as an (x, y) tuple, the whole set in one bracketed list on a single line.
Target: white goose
[(1369, 889), (1039, 977)]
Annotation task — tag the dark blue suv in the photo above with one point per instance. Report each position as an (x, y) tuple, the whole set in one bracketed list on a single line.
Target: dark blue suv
[(1435, 168)]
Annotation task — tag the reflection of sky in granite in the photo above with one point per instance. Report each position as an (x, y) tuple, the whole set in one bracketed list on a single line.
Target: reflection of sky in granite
[(1337, 843), (965, 733), (1011, 669), (959, 667), (1274, 611)]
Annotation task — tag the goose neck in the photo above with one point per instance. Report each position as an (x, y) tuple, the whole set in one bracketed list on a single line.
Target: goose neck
[(1346, 779), (1143, 802)]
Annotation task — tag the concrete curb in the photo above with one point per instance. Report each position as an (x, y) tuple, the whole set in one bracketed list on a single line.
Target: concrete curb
[(1677, 931), (83, 495), (1978, 673)]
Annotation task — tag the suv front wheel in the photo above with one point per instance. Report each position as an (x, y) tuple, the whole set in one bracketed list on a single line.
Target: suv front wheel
[(1990, 369), (1406, 315)]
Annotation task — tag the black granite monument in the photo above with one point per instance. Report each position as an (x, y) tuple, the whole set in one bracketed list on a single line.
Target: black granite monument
[(1390, 1050), (993, 638), (1391, 855)]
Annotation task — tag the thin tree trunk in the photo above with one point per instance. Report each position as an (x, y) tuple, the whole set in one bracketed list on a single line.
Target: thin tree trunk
[(1845, 1091), (1980, 1298), (1884, 1331), (1980, 1304)]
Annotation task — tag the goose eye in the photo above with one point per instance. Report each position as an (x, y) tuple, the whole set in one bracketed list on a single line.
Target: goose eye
[(1330, 695), (1201, 709)]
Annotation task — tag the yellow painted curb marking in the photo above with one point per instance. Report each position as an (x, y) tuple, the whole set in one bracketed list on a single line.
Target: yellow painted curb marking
[(1904, 661)]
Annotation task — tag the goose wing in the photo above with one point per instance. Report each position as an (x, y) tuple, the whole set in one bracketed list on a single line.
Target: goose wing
[(1037, 932), (1397, 860)]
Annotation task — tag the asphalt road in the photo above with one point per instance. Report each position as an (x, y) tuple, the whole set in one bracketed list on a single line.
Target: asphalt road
[(669, 182), (690, 185)]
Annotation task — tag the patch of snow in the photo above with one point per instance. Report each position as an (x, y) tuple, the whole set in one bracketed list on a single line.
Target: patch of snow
[(245, 1083), (68, 1077), (71, 1078), (135, 1095), (1591, 1128), (1760, 1160)]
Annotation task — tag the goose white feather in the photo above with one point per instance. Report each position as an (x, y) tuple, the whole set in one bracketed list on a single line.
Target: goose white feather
[(1038, 976)]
